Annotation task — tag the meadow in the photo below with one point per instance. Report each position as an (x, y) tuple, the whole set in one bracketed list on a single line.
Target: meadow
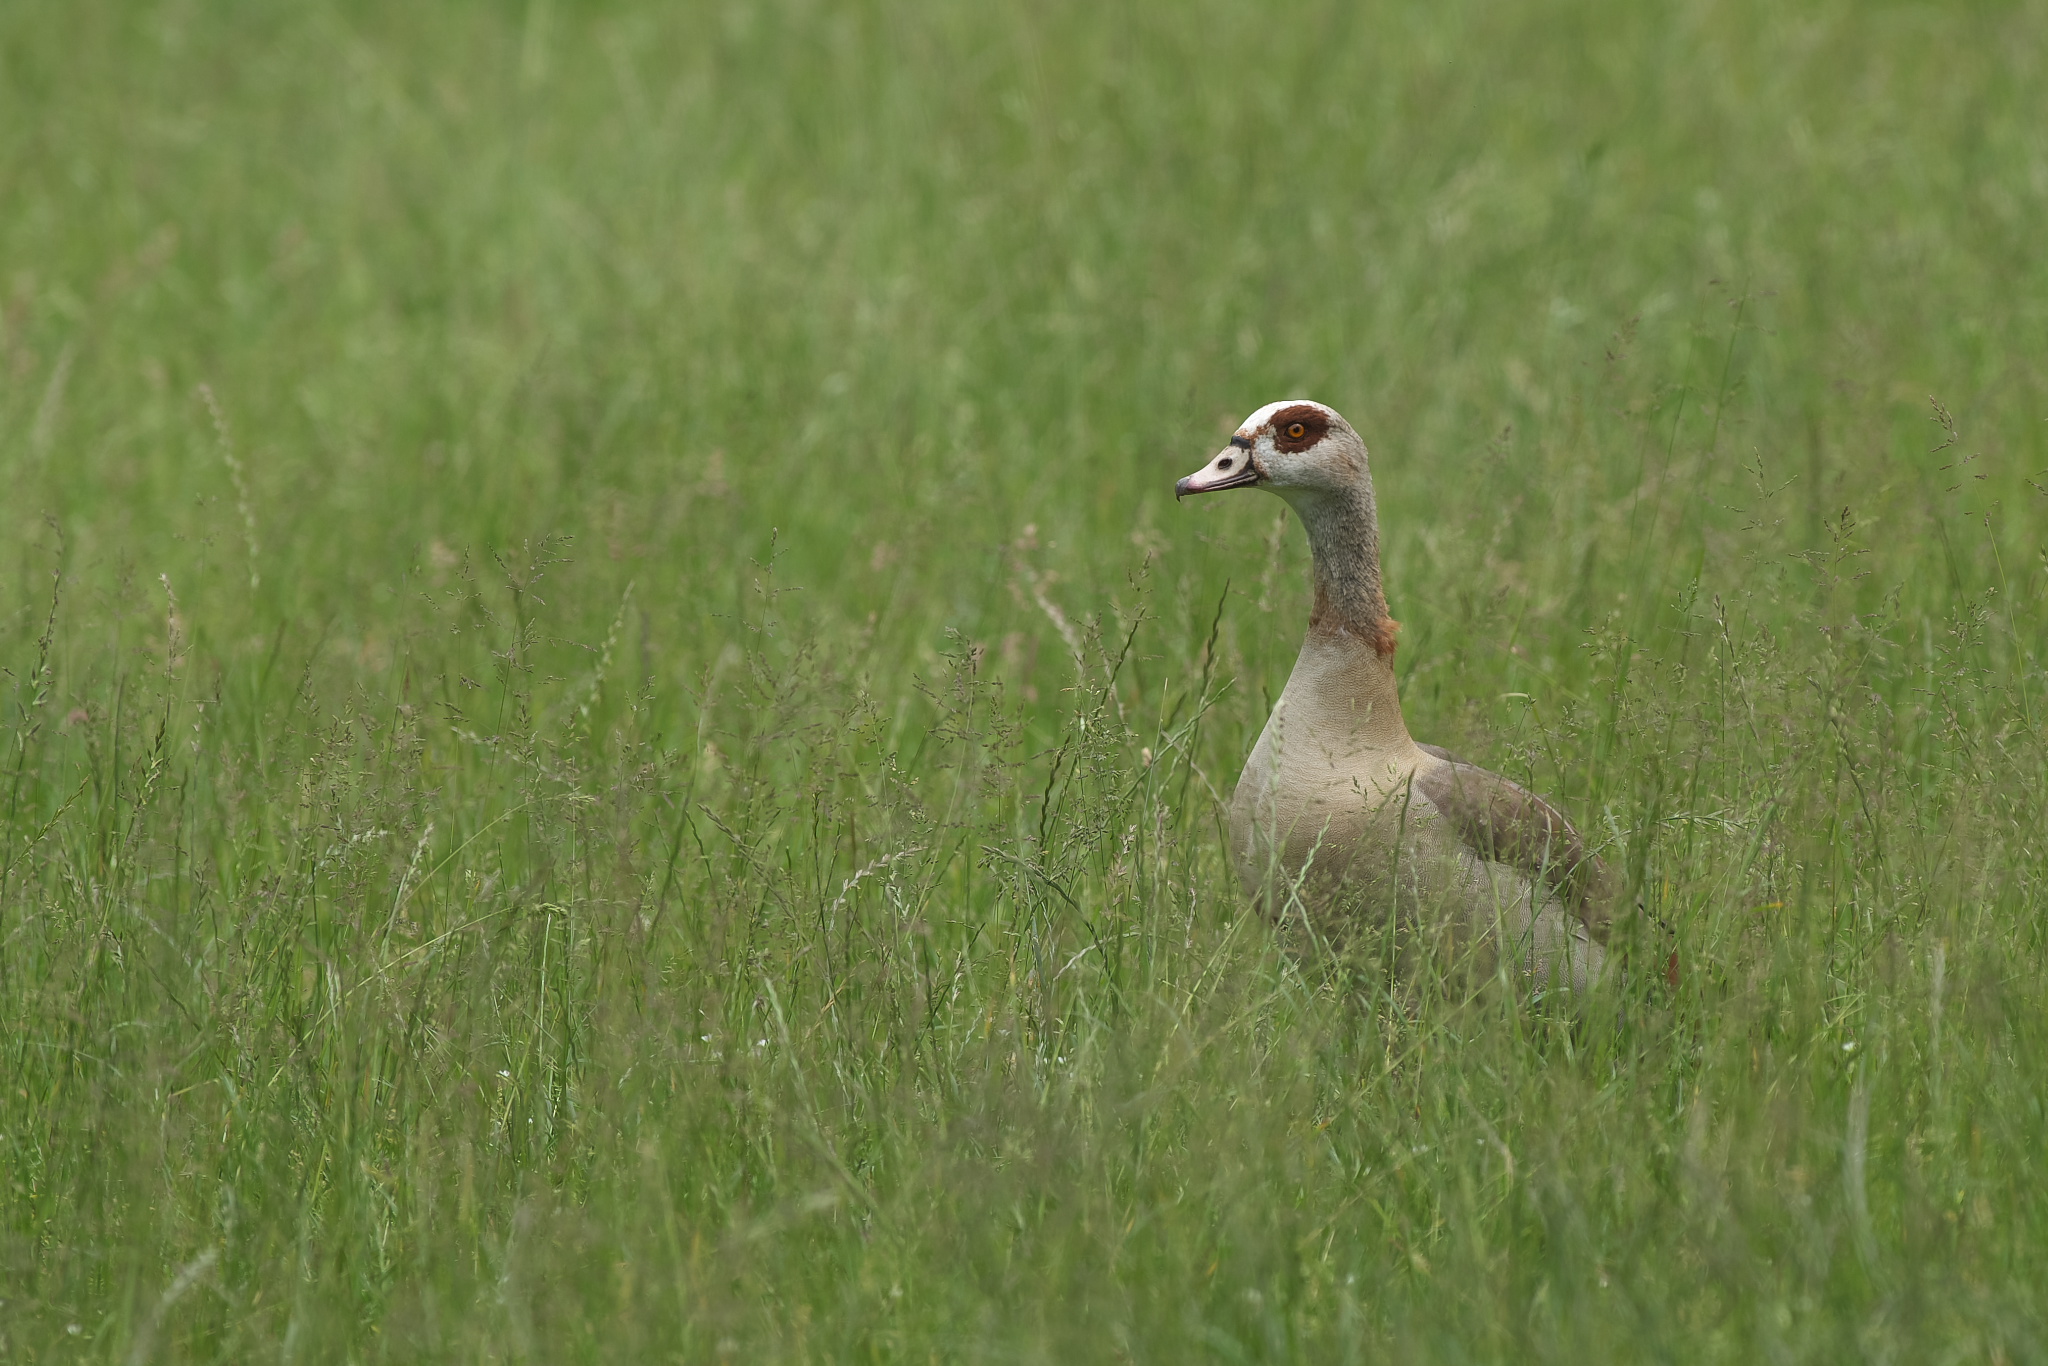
[(614, 744)]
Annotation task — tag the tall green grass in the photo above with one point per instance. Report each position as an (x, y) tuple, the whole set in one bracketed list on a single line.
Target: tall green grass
[(615, 749)]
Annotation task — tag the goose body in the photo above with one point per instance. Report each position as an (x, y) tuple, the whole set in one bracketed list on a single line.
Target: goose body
[(1340, 816)]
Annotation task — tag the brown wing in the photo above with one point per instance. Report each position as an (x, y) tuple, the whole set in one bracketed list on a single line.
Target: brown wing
[(1504, 822)]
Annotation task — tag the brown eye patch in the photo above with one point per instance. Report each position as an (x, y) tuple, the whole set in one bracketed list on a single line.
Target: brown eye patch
[(1297, 428)]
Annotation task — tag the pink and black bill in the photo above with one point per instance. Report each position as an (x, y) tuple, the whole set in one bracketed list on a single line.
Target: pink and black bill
[(1233, 468)]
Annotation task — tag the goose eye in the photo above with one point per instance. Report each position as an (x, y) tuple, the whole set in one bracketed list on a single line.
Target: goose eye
[(1295, 431)]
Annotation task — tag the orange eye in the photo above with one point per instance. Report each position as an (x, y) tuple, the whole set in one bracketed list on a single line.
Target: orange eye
[(1296, 431)]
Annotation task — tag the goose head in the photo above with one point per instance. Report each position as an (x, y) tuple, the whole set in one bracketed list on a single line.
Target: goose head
[(1297, 448)]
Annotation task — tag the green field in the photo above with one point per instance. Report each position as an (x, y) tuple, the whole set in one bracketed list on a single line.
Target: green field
[(615, 747)]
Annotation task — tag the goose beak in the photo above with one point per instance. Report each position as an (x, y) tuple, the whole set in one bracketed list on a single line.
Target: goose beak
[(1233, 468)]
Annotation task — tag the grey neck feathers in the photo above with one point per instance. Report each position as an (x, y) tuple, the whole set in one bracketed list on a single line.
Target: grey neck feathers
[(1344, 541)]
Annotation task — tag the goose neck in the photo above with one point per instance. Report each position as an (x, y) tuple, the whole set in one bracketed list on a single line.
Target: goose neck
[(1344, 545)]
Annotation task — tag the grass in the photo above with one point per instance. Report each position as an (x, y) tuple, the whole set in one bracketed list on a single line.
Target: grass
[(614, 746)]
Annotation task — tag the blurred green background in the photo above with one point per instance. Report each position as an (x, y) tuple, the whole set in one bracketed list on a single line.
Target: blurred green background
[(615, 742)]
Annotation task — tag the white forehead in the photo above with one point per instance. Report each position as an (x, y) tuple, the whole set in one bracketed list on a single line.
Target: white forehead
[(1265, 414)]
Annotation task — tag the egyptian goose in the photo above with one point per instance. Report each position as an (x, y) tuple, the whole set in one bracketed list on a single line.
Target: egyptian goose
[(1340, 815)]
